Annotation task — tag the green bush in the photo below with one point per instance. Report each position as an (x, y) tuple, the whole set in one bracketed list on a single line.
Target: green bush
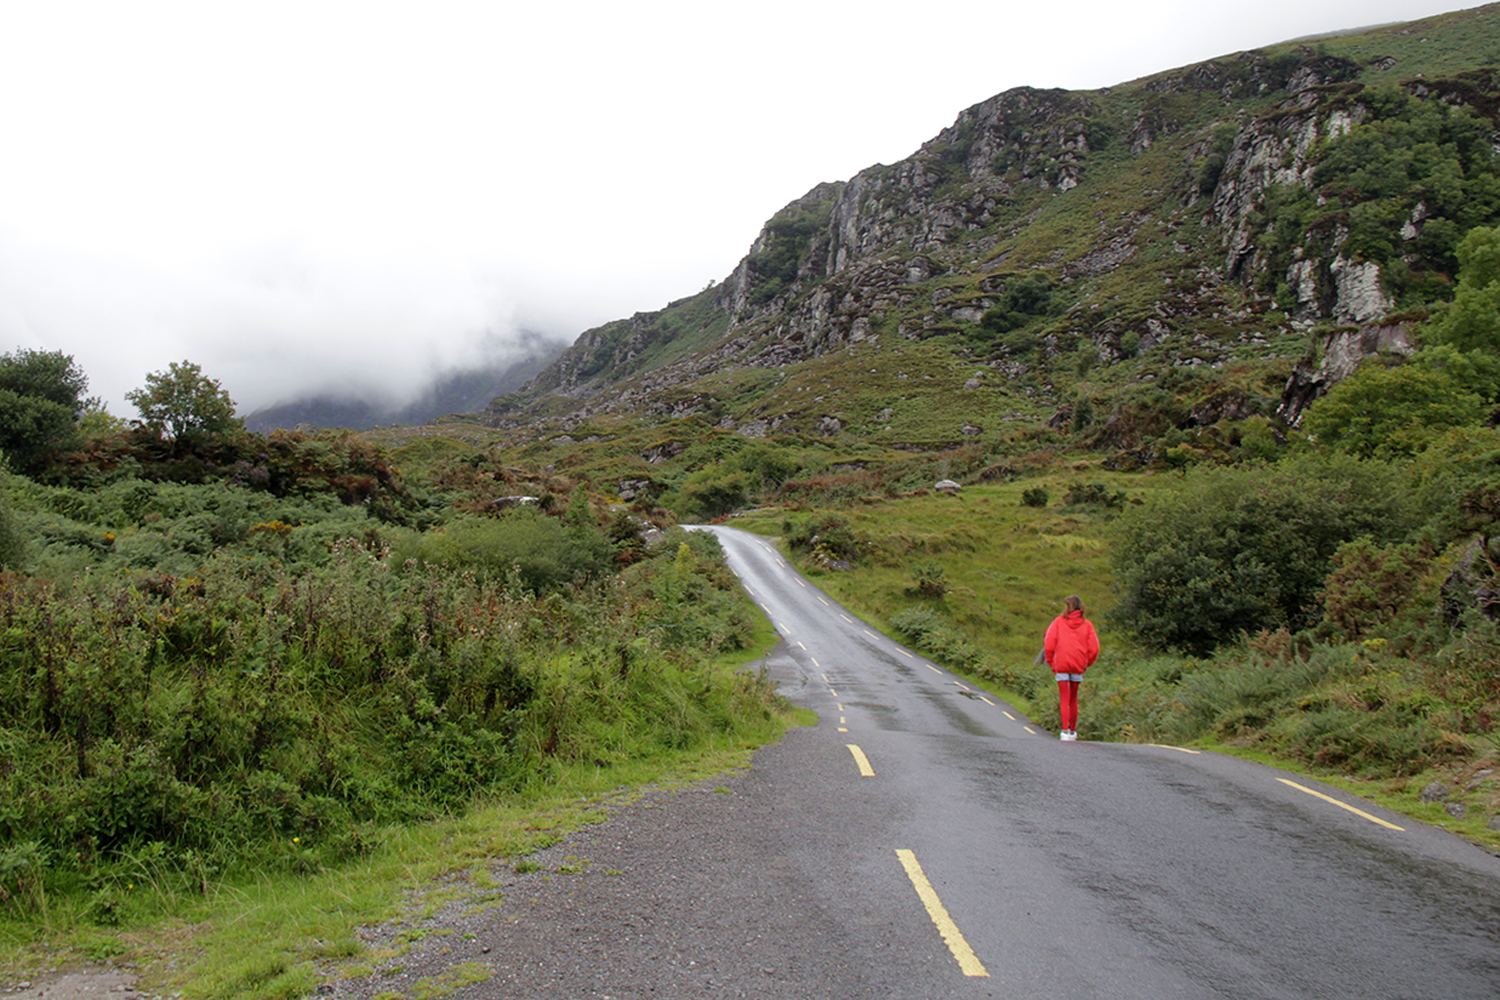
[(542, 553), (1035, 496), (243, 717), (828, 533), (1238, 550)]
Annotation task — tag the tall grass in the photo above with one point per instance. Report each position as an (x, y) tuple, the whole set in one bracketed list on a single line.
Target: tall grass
[(159, 741)]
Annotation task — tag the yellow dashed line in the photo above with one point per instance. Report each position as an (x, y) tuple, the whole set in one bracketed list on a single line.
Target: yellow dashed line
[(1341, 805), (1163, 746), (986, 701), (864, 762), (967, 960), (1029, 730), (1012, 718)]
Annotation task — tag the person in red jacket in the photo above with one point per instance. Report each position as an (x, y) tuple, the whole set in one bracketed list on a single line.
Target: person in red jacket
[(1070, 647)]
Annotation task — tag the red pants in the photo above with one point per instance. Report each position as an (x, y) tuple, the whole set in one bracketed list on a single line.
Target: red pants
[(1067, 698)]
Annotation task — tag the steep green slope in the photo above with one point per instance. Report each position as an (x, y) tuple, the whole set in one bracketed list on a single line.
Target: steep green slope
[(1054, 248)]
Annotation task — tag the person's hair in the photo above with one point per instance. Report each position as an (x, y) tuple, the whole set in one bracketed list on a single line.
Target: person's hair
[(1073, 604)]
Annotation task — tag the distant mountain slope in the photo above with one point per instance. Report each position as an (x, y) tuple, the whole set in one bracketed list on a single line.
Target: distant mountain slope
[(465, 391), (1162, 255)]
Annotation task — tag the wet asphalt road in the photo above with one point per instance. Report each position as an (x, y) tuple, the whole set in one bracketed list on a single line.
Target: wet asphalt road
[(924, 840)]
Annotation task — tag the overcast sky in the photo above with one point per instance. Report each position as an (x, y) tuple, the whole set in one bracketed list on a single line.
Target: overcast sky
[(298, 195)]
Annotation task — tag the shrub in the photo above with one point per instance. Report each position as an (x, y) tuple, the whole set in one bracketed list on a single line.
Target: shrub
[(1369, 584), (1094, 495), (538, 549), (1035, 496), (1245, 549), (829, 534), (930, 632), (928, 578)]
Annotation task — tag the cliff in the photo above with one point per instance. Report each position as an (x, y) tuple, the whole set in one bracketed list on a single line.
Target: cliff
[(1207, 234)]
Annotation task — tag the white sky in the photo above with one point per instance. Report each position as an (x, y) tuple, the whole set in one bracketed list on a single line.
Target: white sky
[(298, 194)]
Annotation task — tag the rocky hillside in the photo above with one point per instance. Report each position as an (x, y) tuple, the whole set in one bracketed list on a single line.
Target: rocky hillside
[(1177, 254)]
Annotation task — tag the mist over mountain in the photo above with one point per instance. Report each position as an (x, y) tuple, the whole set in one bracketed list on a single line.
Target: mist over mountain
[(463, 391)]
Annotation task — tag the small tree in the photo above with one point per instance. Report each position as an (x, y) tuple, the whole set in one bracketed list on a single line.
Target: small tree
[(1385, 412), (41, 396), (184, 405)]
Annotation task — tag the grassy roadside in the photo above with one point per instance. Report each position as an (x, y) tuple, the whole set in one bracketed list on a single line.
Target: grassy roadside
[(266, 934)]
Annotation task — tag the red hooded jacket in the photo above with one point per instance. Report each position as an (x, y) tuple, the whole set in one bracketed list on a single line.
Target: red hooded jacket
[(1071, 643)]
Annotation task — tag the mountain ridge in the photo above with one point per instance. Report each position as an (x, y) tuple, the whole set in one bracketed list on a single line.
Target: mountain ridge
[(1054, 246)]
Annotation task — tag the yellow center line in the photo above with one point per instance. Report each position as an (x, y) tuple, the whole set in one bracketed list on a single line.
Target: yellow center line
[(907, 655), (872, 635), (825, 603), (967, 960), (1012, 718), (986, 701), (1029, 730), (801, 647), (1163, 746), (847, 619), (864, 762), (833, 692), (933, 669), (801, 584), (1341, 805), (815, 663)]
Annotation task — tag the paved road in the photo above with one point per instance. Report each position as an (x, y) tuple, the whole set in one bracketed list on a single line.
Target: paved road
[(924, 840)]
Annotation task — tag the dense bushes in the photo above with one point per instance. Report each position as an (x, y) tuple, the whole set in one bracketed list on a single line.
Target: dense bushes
[(540, 551), (243, 716), (1238, 550)]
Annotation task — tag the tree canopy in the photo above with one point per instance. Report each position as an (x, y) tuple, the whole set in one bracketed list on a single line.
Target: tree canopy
[(41, 396), (183, 404)]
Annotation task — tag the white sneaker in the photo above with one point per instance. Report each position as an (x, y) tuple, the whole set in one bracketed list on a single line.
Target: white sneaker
[(1070, 735)]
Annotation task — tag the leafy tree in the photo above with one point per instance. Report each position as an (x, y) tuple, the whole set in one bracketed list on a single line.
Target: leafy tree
[(1241, 549), (31, 428), (49, 375), (184, 405), (1384, 412), (41, 396), (1471, 322)]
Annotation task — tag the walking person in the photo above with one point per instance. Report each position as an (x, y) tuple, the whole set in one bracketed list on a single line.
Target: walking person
[(1070, 648)]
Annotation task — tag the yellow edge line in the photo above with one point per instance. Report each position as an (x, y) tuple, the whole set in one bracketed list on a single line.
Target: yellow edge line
[(864, 762), (1341, 805), (967, 960)]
